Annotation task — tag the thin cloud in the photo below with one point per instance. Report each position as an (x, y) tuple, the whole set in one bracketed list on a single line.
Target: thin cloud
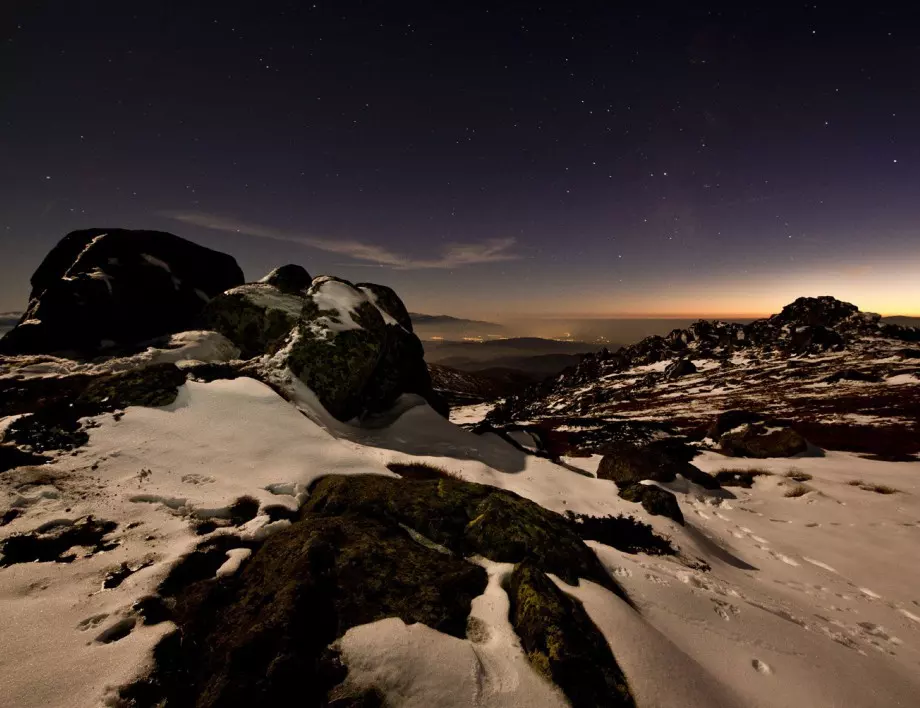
[(454, 255)]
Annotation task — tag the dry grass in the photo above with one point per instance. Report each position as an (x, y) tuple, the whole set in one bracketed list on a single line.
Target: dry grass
[(877, 488), (420, 470), (798, 476), (798, 490)]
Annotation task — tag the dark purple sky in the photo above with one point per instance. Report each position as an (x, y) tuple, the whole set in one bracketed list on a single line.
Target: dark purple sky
[(528, 158)]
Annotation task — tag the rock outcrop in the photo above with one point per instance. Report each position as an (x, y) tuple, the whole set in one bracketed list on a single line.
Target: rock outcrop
[(103, 287), (761, 440)]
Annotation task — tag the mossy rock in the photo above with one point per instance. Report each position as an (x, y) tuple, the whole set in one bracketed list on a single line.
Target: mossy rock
[(152, 386), (468, 519), (337, 346), (261, 637), (255, 317), (562, 643), (57, 404), (759, 441), (655, 500)]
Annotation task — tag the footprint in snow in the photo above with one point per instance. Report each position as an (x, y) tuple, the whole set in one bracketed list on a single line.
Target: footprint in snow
[(621, 572), (91, 622), (761, 666), (117, 631)]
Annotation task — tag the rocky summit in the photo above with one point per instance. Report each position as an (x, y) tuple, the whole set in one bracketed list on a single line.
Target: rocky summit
[(216, 492)]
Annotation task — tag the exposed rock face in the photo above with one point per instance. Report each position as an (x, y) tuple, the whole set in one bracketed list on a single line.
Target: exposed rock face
[(655, 500), (290, 279), (255, 316), (681, 367), (759, 440), (55, 405), (118, 286), (562, 643)]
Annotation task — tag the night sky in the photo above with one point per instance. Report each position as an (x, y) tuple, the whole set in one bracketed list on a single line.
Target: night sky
[(485, 159)]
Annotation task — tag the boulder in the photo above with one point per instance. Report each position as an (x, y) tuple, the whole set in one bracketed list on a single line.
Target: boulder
[(260, 637), (562, 643), (386, 300), (814, 340), (681, 367), (655, 500), (346, 351), (290, 279), (731, 419), (760, 440), (256, 317), (115, 286), (823, 311), (852, 375), (468, 519), (659, 460)]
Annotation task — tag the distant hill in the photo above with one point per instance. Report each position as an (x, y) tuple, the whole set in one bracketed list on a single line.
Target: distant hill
[(902, 320), (8, 320), (447, 327)]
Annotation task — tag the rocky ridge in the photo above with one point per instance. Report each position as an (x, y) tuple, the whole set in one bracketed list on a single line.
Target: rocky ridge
[(839, 376)]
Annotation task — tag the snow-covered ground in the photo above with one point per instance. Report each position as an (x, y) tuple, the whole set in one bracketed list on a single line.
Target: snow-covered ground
[(810, 601)]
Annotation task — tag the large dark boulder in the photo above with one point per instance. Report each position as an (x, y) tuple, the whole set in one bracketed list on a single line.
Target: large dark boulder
[(562, 643), (761, 440), (823, 311), (388, 301), (728, 420), (655, 500), (814, 340), (102, 286), (681, 367), (291, 279), (659, 460)]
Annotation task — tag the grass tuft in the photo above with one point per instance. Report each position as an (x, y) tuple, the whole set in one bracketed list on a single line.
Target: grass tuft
[(877, 488), (798, 490), (798, 476), (420, 470)]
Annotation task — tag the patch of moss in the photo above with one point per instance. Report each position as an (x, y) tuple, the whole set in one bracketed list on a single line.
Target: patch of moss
[(260, 637), (468, 519), (562, 643)]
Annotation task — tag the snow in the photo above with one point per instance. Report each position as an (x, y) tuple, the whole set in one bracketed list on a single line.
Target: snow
[(342, 299), (372, 297), (269, 298), (902, 379), (156, 262), (417, 667), (181, 349), (810, 601), (468, 415)]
